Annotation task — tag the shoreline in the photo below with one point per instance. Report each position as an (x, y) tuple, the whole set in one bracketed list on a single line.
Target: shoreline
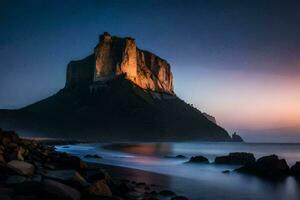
[(32, 170), (154, 181)]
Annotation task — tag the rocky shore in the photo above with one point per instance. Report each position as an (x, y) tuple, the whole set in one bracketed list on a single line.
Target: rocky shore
[(31, 170)]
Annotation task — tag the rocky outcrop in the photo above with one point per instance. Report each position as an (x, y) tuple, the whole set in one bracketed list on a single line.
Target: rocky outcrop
[(267, 166), (295, 169), (198, 159), (236, 158), (115, 56)]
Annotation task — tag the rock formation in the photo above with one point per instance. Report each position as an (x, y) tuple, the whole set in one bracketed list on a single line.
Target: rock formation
[(236, 138), (115, 56), (236, 158), (118, 93)]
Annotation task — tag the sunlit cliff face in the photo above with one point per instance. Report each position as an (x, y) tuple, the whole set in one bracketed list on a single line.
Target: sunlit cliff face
[(115, 56)]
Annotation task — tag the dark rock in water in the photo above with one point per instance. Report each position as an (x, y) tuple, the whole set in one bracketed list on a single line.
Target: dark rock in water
[(178, 156), (226, 171), (295, 169), (267, 166), (179, 198), (93, 156), (236, 138), (56, 190), (167, 193), (65, 147), (198, 159), (237, 158)]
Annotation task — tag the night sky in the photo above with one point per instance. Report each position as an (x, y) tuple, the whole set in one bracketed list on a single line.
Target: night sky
[(237, 60)]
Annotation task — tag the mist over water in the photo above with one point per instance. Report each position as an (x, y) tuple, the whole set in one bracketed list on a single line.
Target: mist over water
[(197, 181)]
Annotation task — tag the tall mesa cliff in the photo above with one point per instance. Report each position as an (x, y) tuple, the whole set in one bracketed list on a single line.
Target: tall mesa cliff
[(115, 56)]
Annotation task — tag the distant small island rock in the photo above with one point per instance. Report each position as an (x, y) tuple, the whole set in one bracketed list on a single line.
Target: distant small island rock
[(236, 138)]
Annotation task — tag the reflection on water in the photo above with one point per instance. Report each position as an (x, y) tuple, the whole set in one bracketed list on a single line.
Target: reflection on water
[(198, 181)]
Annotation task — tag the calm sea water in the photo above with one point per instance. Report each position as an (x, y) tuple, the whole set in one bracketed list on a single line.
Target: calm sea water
[(199, 181)]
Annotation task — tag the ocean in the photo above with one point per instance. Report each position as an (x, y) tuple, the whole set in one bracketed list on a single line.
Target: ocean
[(197, 181)]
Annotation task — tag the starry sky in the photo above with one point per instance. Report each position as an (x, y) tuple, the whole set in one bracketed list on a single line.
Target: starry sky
[(238, 60)]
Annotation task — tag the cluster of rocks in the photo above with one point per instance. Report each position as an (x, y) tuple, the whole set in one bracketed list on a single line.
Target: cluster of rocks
[(267, 166), (31, 170)]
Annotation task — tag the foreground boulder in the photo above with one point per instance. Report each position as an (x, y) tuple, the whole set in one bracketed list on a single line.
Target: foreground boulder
[(198, 159), (57, 190), (267, 166), (70, 177), (21, 167), (237, 158), (24, 185), (100, 188), (66, 161)]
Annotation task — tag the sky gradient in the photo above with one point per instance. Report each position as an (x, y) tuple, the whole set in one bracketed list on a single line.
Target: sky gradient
[(237, 60)]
